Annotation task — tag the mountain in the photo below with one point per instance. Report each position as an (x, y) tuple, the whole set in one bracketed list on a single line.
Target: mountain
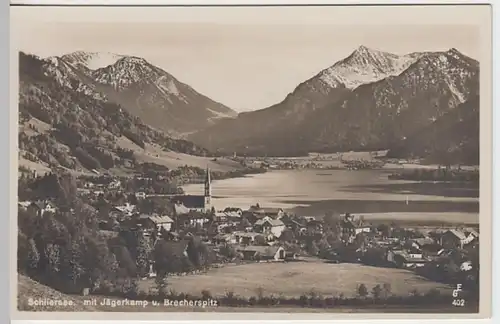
[(363, 66), (64, 122), (146, 91), (91, 60), (453, 138), (369, 100)]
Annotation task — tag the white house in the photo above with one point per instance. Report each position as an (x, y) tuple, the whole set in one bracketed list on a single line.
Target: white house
[(268, 225), (24, 204), (245, 237), (116, 184), (405, 259), (161, 222), (454, 238), (140, 195), (125, 210), (263, 253), (42, 207), (471, 235)]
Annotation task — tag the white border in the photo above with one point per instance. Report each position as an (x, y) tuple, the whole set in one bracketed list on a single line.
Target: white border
[(237, 2)]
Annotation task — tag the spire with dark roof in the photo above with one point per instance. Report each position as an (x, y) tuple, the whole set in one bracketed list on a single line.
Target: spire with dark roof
[(208, 189)]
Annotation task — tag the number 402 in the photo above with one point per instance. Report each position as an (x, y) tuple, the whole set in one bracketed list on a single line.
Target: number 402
[(458, 302)]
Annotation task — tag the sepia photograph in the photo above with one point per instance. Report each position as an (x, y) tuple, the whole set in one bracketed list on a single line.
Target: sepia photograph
[(252, 159)]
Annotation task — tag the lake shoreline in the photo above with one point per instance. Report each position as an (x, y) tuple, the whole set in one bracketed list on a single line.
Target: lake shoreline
[(315, 192)]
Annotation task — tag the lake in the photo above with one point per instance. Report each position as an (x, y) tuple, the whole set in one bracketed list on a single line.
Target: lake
[(367, 192)]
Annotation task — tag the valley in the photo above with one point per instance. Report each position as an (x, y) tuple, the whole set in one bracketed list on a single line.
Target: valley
[(132, 185)]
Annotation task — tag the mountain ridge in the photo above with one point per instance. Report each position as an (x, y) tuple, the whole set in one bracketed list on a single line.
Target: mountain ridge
[(370, 115), (60, 126), (147, 91)]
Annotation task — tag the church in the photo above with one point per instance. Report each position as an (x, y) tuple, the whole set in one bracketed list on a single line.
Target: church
[(188, 203)]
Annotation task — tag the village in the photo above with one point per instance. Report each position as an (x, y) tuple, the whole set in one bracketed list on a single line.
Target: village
[(260, 234)]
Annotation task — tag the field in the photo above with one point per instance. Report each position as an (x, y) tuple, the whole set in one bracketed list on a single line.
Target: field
[(28, 288), (172, 160), (293, 279)]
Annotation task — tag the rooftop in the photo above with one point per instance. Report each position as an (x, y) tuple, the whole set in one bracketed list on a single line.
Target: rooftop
[(160, 219)]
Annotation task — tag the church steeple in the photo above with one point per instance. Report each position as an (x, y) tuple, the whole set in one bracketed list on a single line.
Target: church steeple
[(208, 190)]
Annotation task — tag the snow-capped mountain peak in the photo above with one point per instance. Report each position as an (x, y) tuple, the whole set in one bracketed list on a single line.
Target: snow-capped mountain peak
[(91, 60), (67, 76), (364, 65), (126, 71)]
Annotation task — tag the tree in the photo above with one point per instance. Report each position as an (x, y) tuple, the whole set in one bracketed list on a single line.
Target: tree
[(386, 289), (245, 223), (362, 291), (323, 245), (228, 251), (125, 261), (132, 199), (161, 286), (384, 229), (332, 222), (67, 188), (313, 248), (198, 252), (360, 240), (52, 253), (377, 292), (143, 255), (287, 236), (28, 254), (72, 268), (167, 260)]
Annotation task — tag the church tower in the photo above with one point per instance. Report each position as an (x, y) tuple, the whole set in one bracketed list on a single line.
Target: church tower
[(208, 191)]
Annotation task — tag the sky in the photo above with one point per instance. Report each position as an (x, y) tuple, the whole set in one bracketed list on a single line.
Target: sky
[(245, 58)]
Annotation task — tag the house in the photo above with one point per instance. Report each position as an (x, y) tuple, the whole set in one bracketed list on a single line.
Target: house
[(275, 213), (245, 237), (427, 246), (261, 253), (268, 225), (191, 203), (171, 236), (227, 215), (233, 211), (289, 255), (159, 222), (24, 204), (351, 227), (140, 195), (180, 209), (39, 208), (126, 210), (421, 243), (260, 212), (113, 185), (88, 185), (466, 266), (453, 238), (470, 234), (405, 259), (220, 216), (293, 224), (224, 238), (314, 227)]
